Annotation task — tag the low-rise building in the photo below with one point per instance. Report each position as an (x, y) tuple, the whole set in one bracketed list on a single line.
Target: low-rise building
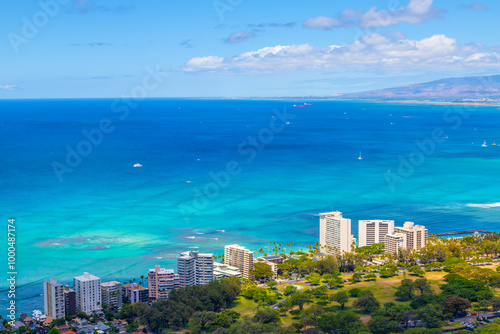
[(273, 265), (135, 292), (223, 270)]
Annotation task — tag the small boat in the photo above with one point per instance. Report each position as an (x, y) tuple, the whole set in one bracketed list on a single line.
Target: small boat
[(188, 181), (298, 106), (137, 165), (494, 144), (360, 158), (484, 144)]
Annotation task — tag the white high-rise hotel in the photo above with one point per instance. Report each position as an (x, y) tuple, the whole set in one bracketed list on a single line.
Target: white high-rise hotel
[(87, 293), (374, 231), (335, 233)]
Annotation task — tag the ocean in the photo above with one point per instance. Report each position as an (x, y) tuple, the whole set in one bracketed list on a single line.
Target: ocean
[(260, 171)]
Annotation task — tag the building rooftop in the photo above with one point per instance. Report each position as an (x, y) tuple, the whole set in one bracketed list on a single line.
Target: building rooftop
[(333, 213), (235, 246), (162, 271), (271, 257), (112, 283), (87, 277), (134, 286)]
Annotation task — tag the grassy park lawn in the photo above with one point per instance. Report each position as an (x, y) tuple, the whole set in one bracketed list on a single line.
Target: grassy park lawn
[(245, 307)]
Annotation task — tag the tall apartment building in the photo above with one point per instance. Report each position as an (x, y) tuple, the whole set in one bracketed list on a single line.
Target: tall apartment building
[(53, 298), (394, 242), (335, 233), (88, 293), (239, 257), (69, 301), (161, 281), (111, 294), (416, 235), (195, 268), (374, 231), (135, 292)]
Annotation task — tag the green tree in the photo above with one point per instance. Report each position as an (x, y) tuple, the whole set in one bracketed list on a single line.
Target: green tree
[(335, 281), (356, 277), (53, 331), (366, 302), (203, 318), (405, 290), (454, 304), (226, 318), (370, 277), (289, 289), (267, 315), (341, 322), (299, 299), (495, 303), (314, 278), (423, 285), (262, 270), (423, 331), (340, 297), (488, 329), (379, 324), (431, 314)]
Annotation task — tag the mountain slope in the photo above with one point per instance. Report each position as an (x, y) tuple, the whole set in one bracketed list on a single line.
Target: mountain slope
[(444, 89)]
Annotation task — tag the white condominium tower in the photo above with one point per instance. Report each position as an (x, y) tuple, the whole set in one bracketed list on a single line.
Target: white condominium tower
[(394, 242), (87, 293), (239, 257), (53, 298), (374, 231), (416, 235), (335, 233), (195, 268)]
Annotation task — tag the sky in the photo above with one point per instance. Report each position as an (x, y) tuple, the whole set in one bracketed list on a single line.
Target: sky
[(239, 48)]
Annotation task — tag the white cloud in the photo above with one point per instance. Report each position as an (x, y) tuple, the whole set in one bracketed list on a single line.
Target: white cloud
[(371, 50), (239, 36), (8, 87), (475, 6), (416, 11), (321, 22)]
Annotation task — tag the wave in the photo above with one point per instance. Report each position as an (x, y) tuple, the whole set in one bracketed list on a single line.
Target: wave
[(484, 206), (191, 237)]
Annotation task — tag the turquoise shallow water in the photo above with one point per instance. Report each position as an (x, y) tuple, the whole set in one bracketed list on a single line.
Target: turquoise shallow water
[(116, 221)]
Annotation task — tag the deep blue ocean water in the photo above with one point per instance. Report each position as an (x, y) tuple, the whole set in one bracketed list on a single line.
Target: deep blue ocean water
[(286, 165)]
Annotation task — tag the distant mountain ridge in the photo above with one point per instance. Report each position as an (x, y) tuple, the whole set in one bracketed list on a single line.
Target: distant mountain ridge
[(450, 89)]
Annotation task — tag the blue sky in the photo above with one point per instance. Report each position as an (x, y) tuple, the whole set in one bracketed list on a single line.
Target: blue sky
[(224, 48)]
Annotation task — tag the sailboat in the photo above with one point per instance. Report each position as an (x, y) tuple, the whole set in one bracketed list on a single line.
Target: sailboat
[(494, 144), (360, 158), (188, 181), (484, 144)]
